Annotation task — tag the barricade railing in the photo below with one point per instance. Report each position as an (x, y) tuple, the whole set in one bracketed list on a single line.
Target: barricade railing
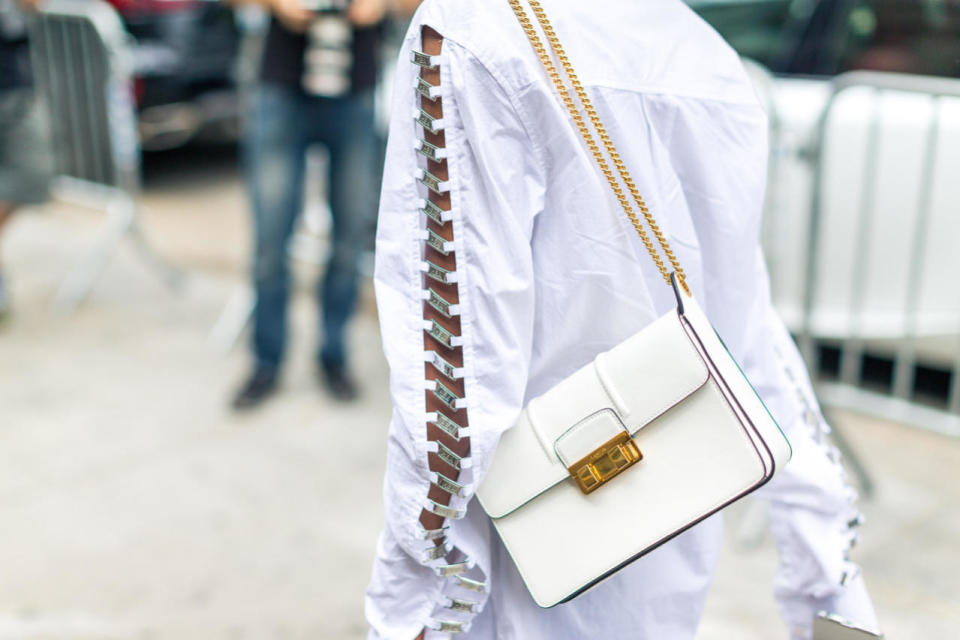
[(883, 245), (82, 62)]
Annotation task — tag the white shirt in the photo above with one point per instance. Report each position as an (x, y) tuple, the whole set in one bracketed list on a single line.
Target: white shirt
[(550, 273)]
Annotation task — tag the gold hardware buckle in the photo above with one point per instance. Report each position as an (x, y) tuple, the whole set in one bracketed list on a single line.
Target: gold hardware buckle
[(606, 462)]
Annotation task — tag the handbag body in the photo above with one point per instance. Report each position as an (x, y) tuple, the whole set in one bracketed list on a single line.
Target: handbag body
[(642, 443), (831, 627)]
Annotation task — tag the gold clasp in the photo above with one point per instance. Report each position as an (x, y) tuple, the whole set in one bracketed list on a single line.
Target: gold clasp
[(606, 462)]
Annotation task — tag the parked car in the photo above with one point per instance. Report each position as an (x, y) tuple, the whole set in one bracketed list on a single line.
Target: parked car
[(887, 253), (185, 68), (821, 38)]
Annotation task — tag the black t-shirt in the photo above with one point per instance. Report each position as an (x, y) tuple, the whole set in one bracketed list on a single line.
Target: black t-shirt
[(283, 57), (14, 61)]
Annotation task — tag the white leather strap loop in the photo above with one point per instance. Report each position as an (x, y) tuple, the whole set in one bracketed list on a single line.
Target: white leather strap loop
[(440, 303), (448, 456), (849, 574), (444, 511), (437, 242), (442, 335), (441, 365), (431, 181), (436, 552), (427, 121), (445, 395), (447, 485), (853, 538), (464, 606), (454, 569), (449, 627), (429, 150), (470, 584), (586, 435), (434, 212), (424, 60), (430, 534), (427, 90), (438, 273), (448, 425)]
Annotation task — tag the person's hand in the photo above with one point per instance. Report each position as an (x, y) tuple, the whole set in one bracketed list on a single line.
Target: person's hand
[(291, 14), (366, 13), (29, 5), (403, 8)]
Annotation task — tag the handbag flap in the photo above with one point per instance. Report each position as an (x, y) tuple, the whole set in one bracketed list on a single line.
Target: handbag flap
[(639, 380)]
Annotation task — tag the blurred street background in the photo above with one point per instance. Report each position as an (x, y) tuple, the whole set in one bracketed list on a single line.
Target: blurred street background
[(135, 503)]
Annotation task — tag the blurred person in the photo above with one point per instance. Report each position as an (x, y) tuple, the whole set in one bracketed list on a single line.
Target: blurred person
[(504, 263), (25, 163), (316, 85)]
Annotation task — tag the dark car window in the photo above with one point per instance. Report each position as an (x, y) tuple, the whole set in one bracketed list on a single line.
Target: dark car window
[(818, 48), (907, 36), (752, 28), (826, 37), (767, 31)]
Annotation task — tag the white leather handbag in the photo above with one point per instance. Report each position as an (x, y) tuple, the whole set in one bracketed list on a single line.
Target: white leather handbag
[(641, 444), (832, 627)]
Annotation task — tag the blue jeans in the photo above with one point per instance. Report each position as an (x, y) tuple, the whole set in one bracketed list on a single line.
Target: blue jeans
[(283, 123)]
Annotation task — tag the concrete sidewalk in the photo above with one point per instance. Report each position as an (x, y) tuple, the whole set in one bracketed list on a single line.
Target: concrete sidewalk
[(134, 504)]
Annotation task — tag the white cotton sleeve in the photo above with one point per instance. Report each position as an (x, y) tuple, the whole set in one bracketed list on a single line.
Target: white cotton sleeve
[(720, 151), (488, 199), (813, 517)]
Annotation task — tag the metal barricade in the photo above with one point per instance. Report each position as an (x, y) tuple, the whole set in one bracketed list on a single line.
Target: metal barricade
[(82, 64), (883, 245)]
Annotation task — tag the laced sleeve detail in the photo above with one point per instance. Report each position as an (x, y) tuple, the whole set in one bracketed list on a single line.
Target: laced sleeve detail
[(447, 427)]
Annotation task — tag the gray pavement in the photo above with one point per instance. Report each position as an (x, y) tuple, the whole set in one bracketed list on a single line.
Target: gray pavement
[(134, 504)]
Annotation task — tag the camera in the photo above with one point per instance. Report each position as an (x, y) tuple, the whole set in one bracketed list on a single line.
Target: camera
[(328, 59), (326, 6)]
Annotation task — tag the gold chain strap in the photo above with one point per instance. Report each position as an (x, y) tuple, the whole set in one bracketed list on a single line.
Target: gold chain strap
[(604, 137)]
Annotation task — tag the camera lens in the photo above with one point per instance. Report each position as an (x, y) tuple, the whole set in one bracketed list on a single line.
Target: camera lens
[(328, 60)]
